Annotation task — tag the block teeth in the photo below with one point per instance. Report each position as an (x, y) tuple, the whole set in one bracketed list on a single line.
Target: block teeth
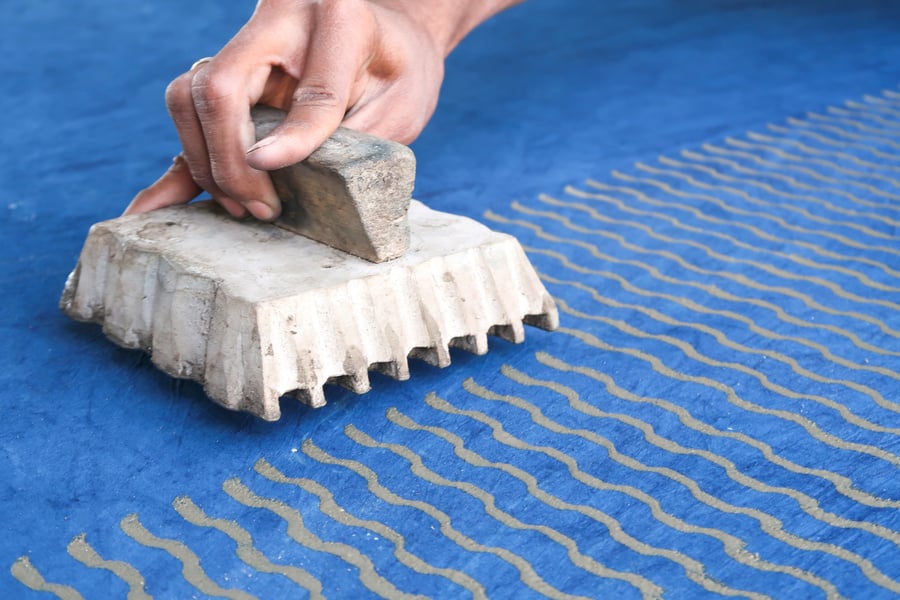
[(398, 369), (437, 356), (513, 332), (356, 382), (476, 344)]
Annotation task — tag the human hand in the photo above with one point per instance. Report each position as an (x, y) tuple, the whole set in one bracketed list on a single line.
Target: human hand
[(366, 64)]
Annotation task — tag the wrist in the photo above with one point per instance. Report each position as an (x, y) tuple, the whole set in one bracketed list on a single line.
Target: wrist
[(447, 22)]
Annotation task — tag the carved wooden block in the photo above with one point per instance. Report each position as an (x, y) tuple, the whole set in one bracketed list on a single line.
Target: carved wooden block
[(254, 312)]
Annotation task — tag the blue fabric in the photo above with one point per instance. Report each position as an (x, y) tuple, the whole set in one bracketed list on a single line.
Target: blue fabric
[(718, 414)]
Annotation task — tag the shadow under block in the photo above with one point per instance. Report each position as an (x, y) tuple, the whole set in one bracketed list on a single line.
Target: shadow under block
[(254, 312)]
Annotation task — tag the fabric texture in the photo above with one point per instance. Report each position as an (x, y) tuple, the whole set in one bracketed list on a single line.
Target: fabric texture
[(711, 191)]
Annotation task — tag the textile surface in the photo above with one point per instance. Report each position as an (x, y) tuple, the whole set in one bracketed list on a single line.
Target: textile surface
[(711, 191)]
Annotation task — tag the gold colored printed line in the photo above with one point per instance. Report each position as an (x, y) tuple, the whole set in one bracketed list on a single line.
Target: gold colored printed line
[(869, 115), (810, 426), (30, 577), (83, 552), (839, 131), (874, 233), (330, 507), (246, 550), (191, 569), (806, 171), (733, 545), (829, 141), (739, 278), (709, 289), (843, 485), (791, 181), (762, 266), (527, 574), (418, 468), (740, 211), (872, 108), (818, 151), (755, 231), (805, 502), (855, 124), (696, 307), (298, 532), (723, 339), (660, 216)]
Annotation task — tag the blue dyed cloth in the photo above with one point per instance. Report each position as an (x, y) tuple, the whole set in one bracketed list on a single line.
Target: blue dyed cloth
[(711, 190)]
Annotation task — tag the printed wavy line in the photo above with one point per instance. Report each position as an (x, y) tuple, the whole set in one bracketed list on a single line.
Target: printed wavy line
[(731, 395), (297, 531), (709, 289), (806, 503), (808, 172), (733, 546), (694, 306), (579, 559), (839, 131), (191, 569), (762, 266), (755, 231), (855, 124), (843, 485), (818, 151), (794, 258), (879, 101), (30, 577), (791, 181), (871, 108), (828, 141), (741, 279), (527, 574), (329, 506), (83, 552), (724, 340), (857, 114), (769, 524), (740, 211), (718, 175), (246, 550)]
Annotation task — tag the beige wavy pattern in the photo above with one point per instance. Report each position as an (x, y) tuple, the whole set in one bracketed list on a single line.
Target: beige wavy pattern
[(853, 123), (856, 115), (768, 523), (679, 173), (739, 278), (871, 108), (843, 133), (83, 552), (297, 530), (689, 304), (488, 501), (843, 485), (30, 577), (791, 181), (329, 506), (528, 575), (832, 142), (712, 290), (807, 149), (734, 546), (719, 152), (191, 569), (246, 550), (720, 337), (805, 502), (837, 289), (731, 395)]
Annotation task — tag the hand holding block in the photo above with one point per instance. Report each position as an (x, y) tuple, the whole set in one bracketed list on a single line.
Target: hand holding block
[(352, 194)]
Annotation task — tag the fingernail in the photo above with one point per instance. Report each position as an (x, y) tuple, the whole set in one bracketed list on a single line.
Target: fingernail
[(261, 210), (266, 141)]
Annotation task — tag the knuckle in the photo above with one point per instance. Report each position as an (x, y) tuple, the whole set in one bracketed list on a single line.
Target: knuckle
[(178, 92), (210, 87), (317, 95)]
